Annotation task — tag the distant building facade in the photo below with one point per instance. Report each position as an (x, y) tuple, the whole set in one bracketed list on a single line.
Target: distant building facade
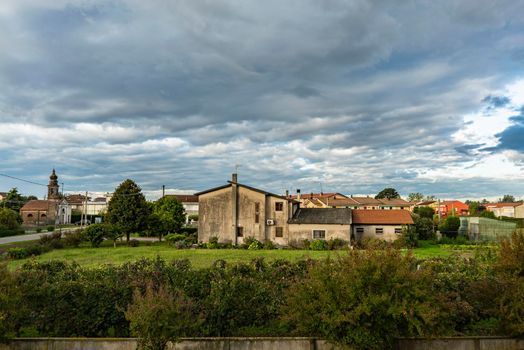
[(189, 202), (52, 211), (509, 209)]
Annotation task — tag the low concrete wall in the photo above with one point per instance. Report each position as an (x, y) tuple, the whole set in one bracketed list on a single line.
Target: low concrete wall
[(463, 343)]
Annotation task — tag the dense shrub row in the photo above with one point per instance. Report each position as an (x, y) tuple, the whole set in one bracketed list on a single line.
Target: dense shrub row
[(46, 243), (362, 298)]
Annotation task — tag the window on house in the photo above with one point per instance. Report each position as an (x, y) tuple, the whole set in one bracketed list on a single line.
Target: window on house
[(43, 215), (29, 215), (379, 230), (279, 206), (398, 231), (240, 232), (319, 234), (279, 232), (360, 230), (257, 213)]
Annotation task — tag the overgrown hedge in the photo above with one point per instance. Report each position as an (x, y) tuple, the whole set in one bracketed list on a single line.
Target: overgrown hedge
[(362, 298)]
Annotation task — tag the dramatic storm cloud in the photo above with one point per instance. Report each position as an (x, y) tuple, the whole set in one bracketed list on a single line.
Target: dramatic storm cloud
[(422, 96)]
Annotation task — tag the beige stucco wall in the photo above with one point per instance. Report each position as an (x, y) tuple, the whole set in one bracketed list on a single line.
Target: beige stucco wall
[(519, 211), (215, 216), (299, 232), (369, 232), (247, 200)]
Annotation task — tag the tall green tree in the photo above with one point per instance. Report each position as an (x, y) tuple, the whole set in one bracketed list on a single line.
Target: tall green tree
[(508, 198), (415, 197), (128, 209), (170, 213), (9, 219), (387, 193)]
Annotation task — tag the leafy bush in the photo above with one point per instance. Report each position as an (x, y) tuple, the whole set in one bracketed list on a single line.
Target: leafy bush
[(34, 250), (213, 243), (337, 243), (96, 233), (183, 244), (268, 245), (255, 245), (364, 300), (174, 237), (8, 232), (17, 253), (370, 243), (248, 240), (449, 226), (318, 244), (38, 230), (73, 238), (488, 214), (53, 240), (299, 244), (50, 228), (408, 237), (159, 316), (134, 243), (424, 227)]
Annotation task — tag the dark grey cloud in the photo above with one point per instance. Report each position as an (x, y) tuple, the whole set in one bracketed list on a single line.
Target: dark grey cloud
[(355, 94), (494, 102)]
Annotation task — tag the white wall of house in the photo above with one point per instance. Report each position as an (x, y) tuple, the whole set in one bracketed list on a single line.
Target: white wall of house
[(389, 232)]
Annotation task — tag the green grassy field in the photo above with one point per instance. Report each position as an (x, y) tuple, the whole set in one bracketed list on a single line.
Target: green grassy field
[(201, 258)]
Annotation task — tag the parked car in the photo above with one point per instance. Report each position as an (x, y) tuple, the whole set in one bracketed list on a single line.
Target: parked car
[(83, 222)]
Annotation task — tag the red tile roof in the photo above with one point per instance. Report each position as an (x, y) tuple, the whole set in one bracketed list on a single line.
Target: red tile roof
[(317, 195), (38, 204), (366, 200), (382, 217), (339, 201), (394, 201)]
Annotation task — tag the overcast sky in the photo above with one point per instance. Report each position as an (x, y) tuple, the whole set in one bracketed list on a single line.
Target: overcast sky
[(423, 96)]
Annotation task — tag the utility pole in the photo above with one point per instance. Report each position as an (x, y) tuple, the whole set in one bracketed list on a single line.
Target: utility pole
[(86, 208), (163, 190)]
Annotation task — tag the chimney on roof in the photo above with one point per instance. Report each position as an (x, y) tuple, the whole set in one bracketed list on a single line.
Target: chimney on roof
[(311, 195), (287, 194), (298, 194), (234, 177)]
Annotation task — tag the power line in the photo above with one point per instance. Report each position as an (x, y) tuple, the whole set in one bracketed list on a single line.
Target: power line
[(19, 179)]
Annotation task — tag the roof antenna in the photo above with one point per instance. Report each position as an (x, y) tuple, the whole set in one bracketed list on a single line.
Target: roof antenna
[(321, 191)]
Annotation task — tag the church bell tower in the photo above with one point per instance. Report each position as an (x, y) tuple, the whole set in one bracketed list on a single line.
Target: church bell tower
[(52, 188)]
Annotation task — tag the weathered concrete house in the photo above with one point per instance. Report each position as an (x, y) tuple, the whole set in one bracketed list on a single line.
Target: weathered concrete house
[(234, 211)]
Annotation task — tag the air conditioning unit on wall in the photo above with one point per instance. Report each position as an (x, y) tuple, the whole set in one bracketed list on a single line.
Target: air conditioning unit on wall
[(270, 222)]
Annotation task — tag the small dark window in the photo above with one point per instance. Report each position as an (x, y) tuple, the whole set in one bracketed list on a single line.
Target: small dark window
[(360, 230), (29, 215), (319, 234), (398, 231), (379, 230), (279, 206), (240, 232), (279, 232), (43, 215), (257, 213)]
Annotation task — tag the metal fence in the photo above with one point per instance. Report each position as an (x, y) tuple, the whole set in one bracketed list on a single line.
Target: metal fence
[(481, 229)]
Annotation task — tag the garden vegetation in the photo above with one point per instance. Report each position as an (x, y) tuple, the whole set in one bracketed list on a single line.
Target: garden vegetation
[(363, 299)]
